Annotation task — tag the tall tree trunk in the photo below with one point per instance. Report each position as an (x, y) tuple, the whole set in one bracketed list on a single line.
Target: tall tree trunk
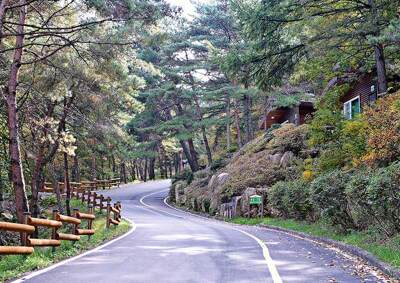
[(18, 181), (203, 130), (67, 185), (123, 172), (76, 175), (152, 175), (228, 122), (114, 169), (94, 169), (193, 153), (54, 181), (237, 124), (145, 170), (36, 182), (193, 165), (378, 50), (1, 184), (247, 117), (132, 170), (380, 68), (176, 163)]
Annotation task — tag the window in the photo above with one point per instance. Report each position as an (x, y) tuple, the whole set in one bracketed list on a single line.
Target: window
[(351, 108)]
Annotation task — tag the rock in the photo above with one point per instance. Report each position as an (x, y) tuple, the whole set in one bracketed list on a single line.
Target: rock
[(275, 158), (286, 159), (222, 178), (7, 215), (212, 183), (215, 185)]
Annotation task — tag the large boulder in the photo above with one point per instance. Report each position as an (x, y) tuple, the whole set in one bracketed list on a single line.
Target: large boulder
[(276, 158), (287, 159), (215, 185)]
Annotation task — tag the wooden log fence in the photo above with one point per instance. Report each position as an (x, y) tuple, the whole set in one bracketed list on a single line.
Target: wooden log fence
[(78, 188), (20, 228), (113, 213), (83, 191)]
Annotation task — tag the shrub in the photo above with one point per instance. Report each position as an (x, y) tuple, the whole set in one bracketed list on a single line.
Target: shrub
[(329, 197), (289, 138), (384, 195), (291, 199), (185, 175), (358, 201), (383, 120)]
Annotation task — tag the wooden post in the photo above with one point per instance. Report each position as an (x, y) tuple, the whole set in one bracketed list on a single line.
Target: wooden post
[(90, 221), (262, 206), (108, 212), (101, 203), (54, 229), (89, 195), (24, 236), (76, 226), (94, 200)]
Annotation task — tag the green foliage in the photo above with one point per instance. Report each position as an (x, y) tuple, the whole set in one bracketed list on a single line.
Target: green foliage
[(291, 199), (328, 195), (185, 175)]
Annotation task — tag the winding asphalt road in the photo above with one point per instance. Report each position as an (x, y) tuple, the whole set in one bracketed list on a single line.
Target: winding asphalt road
[(168, 245)]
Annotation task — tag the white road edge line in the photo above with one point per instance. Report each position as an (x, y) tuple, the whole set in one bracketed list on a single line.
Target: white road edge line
[(270, 263), (156, 209), (39, 272)]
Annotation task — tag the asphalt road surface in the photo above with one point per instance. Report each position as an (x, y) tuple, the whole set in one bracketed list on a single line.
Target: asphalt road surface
[(168, 245)]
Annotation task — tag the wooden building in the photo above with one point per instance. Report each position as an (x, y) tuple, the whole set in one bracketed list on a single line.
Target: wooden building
[(295, 114), (361, 93)]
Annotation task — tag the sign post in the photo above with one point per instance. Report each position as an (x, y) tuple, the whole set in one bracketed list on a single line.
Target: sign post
[(257, 200)]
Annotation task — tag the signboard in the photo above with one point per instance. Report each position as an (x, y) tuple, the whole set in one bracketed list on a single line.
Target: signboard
[(255, 199)]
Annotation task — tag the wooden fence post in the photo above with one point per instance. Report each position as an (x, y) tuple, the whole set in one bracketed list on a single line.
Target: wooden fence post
[(108, 212), (76, 226), (24, 236), (54, 230), (89, 195)]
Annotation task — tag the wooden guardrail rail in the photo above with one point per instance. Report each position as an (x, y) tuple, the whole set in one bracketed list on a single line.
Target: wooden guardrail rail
[(38, 222), (20, 228), (113, 213), (70, 220), (89, 217)]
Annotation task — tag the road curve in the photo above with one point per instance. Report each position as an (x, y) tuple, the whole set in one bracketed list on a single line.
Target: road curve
[(173, 246)]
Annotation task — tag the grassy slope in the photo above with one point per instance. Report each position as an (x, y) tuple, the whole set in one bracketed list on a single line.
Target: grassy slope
[(14, 266), (388, 251)]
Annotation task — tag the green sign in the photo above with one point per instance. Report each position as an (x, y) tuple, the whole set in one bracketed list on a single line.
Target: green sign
[(255, 199)]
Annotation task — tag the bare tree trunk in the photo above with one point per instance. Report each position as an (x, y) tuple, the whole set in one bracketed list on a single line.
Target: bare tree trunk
[(18, 181), (67, 184), (378, 50), (36, 182), (237, 124), (76, 175), (123, 172), (54, 181), (94, 170), (228, 122), (145, 170), (193, 165)]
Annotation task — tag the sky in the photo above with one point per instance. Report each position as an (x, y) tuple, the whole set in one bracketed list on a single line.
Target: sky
[(187, 6)]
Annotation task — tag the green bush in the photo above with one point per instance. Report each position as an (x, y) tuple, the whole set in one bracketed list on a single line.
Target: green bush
[(384, 195), (185, 175), (291, 199), (328, 195)]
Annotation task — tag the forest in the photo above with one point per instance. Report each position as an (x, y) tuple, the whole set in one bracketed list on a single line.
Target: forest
[(298, 100)]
